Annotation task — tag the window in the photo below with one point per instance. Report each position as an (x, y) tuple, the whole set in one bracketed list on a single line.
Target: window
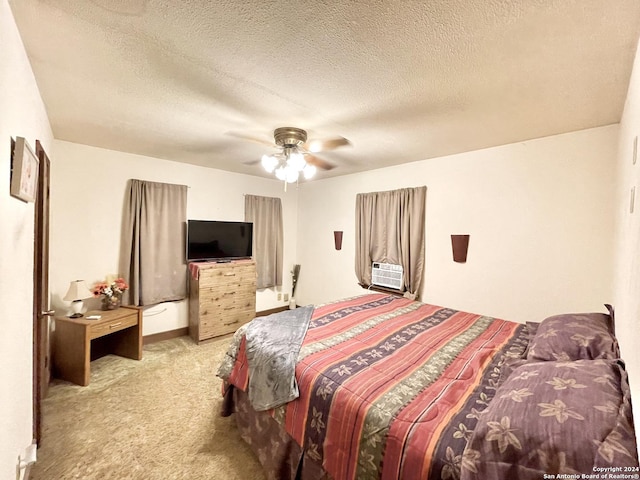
[(152, 256), (390, 229), (266, 215)]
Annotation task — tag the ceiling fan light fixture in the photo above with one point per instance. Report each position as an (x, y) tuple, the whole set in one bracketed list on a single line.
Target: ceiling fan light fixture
[(296, 161), (291, 175), (281, 173), (295, 158), (269, 163), (286, 174), (309, 171), (314, 146)]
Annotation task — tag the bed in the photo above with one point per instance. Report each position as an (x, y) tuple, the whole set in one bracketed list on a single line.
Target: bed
[(390, 388)]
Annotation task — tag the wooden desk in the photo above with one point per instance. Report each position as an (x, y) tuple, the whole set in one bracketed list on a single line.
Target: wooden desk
[(78, 341)]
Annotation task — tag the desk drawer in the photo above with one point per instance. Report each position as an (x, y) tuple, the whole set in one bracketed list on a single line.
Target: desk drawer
[(102, 329)]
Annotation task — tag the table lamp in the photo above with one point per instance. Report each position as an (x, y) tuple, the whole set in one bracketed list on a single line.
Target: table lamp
[(76, 293)]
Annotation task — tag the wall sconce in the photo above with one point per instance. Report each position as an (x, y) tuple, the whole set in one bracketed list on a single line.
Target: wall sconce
[(76, 293), (460, 245), (337, 239)]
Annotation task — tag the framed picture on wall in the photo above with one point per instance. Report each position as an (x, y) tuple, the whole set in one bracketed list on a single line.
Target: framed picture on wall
[(24, 171)]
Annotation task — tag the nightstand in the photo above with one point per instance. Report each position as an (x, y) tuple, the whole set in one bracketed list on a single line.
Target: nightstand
[(78, 341)]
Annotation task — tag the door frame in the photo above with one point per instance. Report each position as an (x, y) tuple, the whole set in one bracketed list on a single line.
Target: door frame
[(41, 323)]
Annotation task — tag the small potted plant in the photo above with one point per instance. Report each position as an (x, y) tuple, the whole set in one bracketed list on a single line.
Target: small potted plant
[(110, 292), (295, 274)]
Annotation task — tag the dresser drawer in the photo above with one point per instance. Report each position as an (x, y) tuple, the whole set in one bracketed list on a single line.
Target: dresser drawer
[(225, 317), (225, 324), (227, 277), (222, 315), (217, 293), (101, 329), (226, 301)]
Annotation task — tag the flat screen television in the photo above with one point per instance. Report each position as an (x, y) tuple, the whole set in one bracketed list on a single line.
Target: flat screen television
[(217, 240)]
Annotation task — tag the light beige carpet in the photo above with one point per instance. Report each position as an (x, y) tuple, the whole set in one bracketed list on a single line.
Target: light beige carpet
[(154, 419)]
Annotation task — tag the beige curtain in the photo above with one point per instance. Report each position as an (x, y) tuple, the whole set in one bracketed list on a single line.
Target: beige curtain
[(266, 215), (152, 253), (390, 229)]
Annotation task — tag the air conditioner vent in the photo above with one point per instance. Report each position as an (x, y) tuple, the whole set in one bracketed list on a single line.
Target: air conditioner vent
[(387, 275)]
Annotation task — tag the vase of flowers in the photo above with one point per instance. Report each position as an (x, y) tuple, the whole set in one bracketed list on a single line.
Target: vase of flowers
[(110, 292)]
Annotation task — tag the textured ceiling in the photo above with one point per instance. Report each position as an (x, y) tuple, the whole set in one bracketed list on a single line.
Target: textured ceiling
[(402, 80)]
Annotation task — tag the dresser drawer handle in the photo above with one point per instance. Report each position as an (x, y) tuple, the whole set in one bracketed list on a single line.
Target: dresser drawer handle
[(230, 323), (114, 325), (230, 274)]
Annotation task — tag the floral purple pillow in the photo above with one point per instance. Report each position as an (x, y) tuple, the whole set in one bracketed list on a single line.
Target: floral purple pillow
[(551, 418), (574, 336), (532, 328), (512, 363)]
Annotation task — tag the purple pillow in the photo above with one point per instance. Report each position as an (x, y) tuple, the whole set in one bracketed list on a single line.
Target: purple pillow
[(574, 336), (512, 363), (532, 329), (551, 418)]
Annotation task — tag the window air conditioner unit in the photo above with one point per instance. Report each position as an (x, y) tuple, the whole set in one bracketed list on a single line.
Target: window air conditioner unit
[(386, 275)]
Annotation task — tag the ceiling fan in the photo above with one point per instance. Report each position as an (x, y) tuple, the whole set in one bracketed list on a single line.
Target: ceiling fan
[(296, 153)]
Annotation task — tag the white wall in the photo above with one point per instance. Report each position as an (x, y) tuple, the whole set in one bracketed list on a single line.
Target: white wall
[(538, 212), (22, 114), (627, 240), (87, 195)]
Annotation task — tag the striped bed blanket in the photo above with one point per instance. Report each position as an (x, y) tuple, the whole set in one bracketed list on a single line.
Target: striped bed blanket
[(391, 388)]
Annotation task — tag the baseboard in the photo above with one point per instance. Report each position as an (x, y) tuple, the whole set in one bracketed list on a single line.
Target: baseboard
[(29, 456), (158, 337), (264, 313)]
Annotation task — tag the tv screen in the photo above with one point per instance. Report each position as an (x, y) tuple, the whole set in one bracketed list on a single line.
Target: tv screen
[(215, 240)]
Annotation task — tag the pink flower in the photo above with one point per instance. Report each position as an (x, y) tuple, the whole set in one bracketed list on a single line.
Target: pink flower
[(117, 287)]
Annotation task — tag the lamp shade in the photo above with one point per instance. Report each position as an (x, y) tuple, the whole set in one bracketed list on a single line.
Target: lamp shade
[(77, 291)]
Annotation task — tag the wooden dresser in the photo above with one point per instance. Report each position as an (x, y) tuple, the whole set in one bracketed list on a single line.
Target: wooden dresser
[(221, 298)]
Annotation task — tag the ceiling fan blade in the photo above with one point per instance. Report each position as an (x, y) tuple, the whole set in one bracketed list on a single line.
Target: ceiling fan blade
[(326, 144), (318, 162), (251, 138)]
